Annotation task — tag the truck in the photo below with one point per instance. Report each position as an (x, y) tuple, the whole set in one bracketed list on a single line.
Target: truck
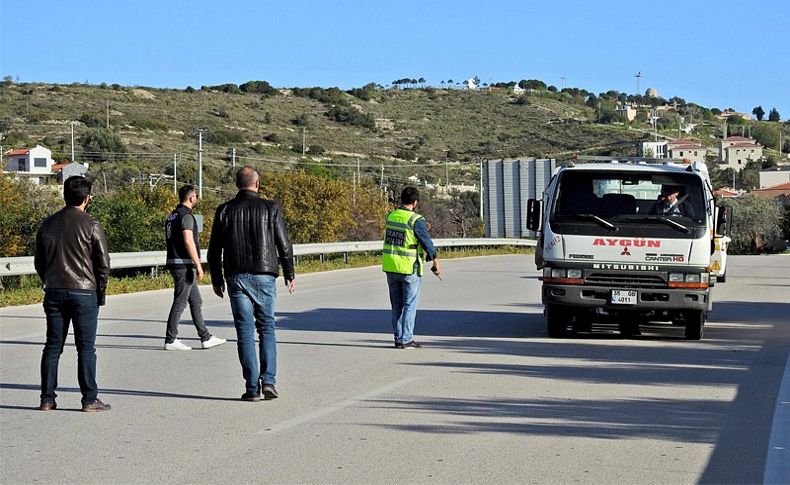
[(627, 242)]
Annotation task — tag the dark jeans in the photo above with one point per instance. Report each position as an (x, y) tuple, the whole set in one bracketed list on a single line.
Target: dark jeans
[(252, 298), (186, 291), (63, 306)]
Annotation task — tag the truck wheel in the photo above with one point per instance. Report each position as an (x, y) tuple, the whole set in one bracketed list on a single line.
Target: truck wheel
[(695, 320), (628, 328), (557, 318)]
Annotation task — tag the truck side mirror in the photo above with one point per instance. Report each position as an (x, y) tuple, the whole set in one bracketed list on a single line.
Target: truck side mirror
[(724, 221), (533, 214)]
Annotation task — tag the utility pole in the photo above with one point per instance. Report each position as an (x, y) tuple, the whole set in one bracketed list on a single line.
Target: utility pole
[(304, 148), (200, 164), (72, 141), (1, 150), (175, 173), (108, 113), (638, 75), (481, 190), (446, 176), (233, 158), (563, 82)]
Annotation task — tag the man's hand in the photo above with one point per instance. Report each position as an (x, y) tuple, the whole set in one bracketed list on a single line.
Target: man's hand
[(199, 272), (291, 285), (220, 290), (436, 270)]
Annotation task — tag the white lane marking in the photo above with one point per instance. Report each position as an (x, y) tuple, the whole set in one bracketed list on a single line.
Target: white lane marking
[(319, 413), (777, 462)]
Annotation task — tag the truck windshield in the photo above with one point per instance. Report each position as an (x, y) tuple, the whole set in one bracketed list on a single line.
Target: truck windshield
[(624, 198)]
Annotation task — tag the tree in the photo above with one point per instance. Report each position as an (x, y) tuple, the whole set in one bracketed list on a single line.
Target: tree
[(756, 225), (758, 112), (101, 145), (773, 115), (22, 208), (134, 217)]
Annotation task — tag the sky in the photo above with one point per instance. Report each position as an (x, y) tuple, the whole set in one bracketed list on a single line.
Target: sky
[(716, 53)]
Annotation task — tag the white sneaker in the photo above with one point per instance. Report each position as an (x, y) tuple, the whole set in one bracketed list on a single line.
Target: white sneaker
[(177, 345), (213, 342)]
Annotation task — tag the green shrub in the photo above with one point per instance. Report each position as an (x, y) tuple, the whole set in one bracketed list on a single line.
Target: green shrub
[(351, 116), (146, 124)]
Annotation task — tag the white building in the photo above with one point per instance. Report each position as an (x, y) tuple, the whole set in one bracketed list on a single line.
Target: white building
[(774, 176), (736, 151), (34, 163)]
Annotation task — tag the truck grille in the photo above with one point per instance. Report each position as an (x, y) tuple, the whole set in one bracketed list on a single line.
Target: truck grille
[(626, 280)]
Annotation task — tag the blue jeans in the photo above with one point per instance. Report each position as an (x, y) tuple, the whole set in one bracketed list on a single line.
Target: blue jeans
[(63, 306), (404, 294), (252, 302)]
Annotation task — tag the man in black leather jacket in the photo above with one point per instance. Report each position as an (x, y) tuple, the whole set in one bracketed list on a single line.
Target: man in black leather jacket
[(249, 243), (72, 260)]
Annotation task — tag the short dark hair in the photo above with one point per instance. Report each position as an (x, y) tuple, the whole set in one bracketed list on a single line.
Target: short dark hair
[(184, 192), (409, 195), (75, 189), (245, 177)]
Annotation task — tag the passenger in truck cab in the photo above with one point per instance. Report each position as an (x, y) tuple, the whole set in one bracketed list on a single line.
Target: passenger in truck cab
[(672, 202)]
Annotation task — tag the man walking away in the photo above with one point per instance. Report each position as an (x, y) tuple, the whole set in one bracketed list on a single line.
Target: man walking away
[(249, 243), (73, 263), (183, 262), (406, 241)]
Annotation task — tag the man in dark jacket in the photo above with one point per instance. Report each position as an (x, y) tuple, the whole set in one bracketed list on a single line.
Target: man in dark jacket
[(183, 262), (249, 242), (72, 260)]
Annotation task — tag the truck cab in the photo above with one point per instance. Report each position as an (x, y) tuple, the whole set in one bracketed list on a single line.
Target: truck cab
[(628, 243)]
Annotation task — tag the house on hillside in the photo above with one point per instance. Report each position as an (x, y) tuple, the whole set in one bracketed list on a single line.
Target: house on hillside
[(774, 176), (729, 113), (627, 111), (65, 170), (471, 83), (688, 149), (681, 148), (32, 163), (728, 193), (736, 151)]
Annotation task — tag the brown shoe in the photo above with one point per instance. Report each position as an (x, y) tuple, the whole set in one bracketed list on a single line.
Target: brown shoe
[(47, 406), (248, 396), (95, 407), (269, 392)]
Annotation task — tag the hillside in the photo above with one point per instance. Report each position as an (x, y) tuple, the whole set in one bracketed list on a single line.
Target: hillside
[(404, 129)]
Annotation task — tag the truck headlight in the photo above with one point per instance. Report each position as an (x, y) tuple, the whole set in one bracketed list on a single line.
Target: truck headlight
[(574, 273), (688, 280)]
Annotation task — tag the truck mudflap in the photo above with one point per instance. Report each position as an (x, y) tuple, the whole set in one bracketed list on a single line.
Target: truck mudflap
[(626, 299)]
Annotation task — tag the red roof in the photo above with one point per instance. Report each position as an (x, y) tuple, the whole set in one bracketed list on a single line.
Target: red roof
[(744, 145), (58, 166), (18, 151), (738, 138), (773, 191)]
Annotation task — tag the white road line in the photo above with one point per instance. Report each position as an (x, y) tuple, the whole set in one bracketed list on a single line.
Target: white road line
[(777, 462), (319, 413)]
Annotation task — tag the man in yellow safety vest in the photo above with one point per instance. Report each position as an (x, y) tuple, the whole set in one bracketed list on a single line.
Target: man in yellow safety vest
[(406, 244)]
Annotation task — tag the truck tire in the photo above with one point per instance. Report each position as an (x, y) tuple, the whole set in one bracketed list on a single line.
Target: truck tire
[(557, 319), (695, 320)]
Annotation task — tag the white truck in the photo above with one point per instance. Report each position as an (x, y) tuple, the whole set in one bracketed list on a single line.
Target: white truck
[(627, 243)]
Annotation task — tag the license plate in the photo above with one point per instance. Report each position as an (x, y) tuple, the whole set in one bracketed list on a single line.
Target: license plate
[(623, 297)]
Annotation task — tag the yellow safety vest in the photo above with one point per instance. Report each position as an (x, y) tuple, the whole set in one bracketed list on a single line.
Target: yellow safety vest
[(402, 249)]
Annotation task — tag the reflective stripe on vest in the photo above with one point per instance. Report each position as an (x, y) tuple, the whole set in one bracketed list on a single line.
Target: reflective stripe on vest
[(401, 251)]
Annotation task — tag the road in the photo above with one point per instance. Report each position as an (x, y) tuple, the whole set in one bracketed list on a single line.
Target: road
[(489, 399)]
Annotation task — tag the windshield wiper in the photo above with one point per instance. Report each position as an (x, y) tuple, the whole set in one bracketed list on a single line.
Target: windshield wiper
[(663, 219), (595, 218)]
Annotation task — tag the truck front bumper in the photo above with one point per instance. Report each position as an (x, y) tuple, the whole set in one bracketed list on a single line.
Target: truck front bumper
[(647, 298)]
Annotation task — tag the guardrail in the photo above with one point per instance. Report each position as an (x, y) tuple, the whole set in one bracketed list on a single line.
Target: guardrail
[(24, 265)]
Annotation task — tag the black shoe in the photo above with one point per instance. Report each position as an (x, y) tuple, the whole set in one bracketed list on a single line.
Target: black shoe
[(398, 345), (411, 345), (269, 392), (47, 405), (95, 407), (248, 396)]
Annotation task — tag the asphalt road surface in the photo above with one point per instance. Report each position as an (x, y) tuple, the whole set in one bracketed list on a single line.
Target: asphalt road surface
[(489, 399)]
